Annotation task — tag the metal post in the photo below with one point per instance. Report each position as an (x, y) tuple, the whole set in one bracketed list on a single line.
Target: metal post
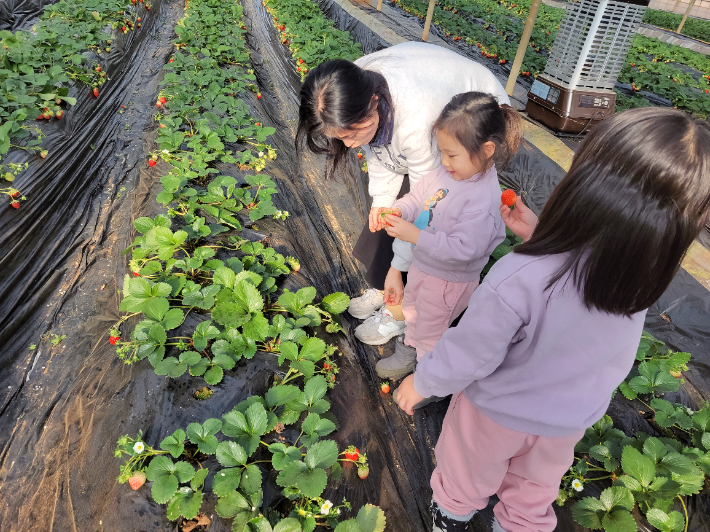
[(524, 40), (427, 22), (379, 5), (687, 12)]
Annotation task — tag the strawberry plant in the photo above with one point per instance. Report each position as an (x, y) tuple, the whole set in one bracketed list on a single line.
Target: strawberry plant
[(648, 472), (40, 66), (252, 440), (311, 36), (693, 27)]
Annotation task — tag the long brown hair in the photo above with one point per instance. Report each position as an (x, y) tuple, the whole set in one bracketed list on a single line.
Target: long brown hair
[(636, 196), (474, 118), (338, 94)]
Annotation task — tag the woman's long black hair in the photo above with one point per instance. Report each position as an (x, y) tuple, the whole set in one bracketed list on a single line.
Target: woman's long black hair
[(635, 198), (337, 95)]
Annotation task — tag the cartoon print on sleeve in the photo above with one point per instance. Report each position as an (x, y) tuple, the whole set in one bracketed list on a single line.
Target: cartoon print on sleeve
[(386, 156)]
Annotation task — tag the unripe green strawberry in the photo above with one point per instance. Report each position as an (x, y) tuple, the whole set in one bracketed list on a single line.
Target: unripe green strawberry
[(363, 471)]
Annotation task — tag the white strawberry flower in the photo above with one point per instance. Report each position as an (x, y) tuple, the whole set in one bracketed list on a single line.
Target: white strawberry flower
[(577, 485), (325, 508), (261, 154), (138, 447)]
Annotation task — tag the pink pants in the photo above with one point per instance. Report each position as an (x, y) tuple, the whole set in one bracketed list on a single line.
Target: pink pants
[(476, 457), (436, 302)]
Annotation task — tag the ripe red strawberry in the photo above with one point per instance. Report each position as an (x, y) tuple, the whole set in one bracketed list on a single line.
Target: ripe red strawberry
[(326, 366), (151, 163), (171, 59), (136, 274), (59, 114), (159, 104), (257, 124), (508, 197), (305, 71), (163, 99), (352, 453), (123, 29), (300, 61), (258, 96), (359, 155), (385, 387), (138, 19), (363, 471), (162, 126), (147, 7), (137, 479), (113, 339), (96, 93), (15, 193), (15, 204)]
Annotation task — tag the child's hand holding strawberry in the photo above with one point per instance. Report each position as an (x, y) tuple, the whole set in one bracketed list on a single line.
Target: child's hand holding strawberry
[(377, 217), (520, 220), (401, 229)]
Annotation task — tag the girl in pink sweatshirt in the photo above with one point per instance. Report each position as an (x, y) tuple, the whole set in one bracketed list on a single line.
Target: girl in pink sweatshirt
[(451, 220), (555, 326)]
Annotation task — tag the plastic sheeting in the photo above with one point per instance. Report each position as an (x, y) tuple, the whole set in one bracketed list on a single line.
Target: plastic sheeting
[(63, 407)]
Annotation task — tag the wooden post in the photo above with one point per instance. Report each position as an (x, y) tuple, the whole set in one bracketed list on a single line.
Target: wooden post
[(687, 12), (379, 5), (522, 48), (427, 22)]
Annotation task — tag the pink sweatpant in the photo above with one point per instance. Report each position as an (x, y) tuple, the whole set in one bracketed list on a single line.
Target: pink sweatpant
[(429, 306), (476, 457)]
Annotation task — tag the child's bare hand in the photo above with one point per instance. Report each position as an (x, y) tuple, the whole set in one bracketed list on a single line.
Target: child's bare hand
[(379, 217), (407, 396), (394, 288), (521, 220), (402, 229)]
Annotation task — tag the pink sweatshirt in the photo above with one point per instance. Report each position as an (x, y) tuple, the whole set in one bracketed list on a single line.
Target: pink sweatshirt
[(533, 361), (460, 223)]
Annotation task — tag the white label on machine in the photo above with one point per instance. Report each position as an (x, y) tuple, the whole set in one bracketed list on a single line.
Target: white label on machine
[(540, 89)]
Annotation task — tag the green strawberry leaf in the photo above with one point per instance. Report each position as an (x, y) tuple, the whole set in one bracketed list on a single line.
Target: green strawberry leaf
[(185, 503), (174, 443)]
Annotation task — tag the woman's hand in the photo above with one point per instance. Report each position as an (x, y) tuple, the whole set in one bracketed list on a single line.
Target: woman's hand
[(407, 396), (521, 220), (394, 288), (401, 229), (376, 219)]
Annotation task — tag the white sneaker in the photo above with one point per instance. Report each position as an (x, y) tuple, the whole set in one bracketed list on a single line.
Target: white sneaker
[(362, 307), (379, 328)]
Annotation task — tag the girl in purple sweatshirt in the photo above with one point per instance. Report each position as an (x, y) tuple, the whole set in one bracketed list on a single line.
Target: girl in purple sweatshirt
[(555, 326), (451, 220)]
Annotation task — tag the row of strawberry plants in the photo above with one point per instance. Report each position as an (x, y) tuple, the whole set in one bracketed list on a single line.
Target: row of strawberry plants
[(655, 66), (226, 284), (310, 36), (40, 66), (495, 26), (652, 473), (693, 27)]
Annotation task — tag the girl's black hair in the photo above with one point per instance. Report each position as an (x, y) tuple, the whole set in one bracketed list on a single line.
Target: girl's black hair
[(474, 118), (337, 95), (636, 196)]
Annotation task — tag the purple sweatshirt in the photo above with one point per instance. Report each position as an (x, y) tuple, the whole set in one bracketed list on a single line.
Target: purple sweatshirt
[(460, 223), (534, 361)]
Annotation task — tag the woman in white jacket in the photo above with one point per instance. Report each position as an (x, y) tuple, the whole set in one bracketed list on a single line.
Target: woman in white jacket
[(386, 103)]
